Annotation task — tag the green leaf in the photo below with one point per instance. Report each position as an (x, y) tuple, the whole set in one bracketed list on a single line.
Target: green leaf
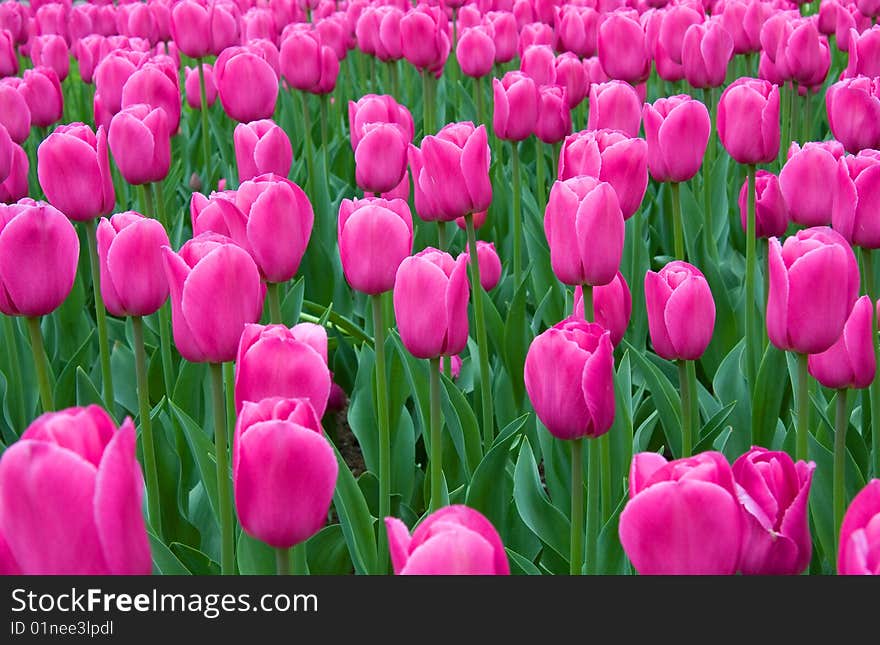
[(65, 386), (769, 393), (86, 392), (534, 507), (461, 423), (516, 342), (164, 561), (713, 428), (355, 520), (730, 386), (202, 449), (194, 560), (255, 558), (489, 491), (328, 553), (520, 565)]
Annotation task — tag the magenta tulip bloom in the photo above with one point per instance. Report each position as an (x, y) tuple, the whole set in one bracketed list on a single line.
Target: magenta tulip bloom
[(375, 108), (430, 303), (15, 115), (623, 49), (140, 141), (453, 540), (569, 377), (39, 250), (577, 29), (706, 50), (42, 91), (274, 360), (615, 105), (51, 51), (771, 212), (133, 281), (748, 121), (677, 19), (15, 186), (8, 56), (804, 181), (853, 107), (251, 99), (74, 171), (111, 73), (202, 28), (539, 63), (814, 283), (773, 491), (215, 291), (516, 106), (864, 53), (585, 230), (475, 52), (612, 306), (70, 497), (677, 129), (859, 552), (490, 264), (425, 38), (855, 199), (554, 115), (283, 471), (681, 311), (683, 517), (302, 59), (608, 156), (850, 361), (505, 35), (375, 236), (157, 87), (381, 156), (452, 168), (261, 147), (571, 75), (191, 86)]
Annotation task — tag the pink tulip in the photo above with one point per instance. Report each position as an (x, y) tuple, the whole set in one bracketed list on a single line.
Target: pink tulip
[(283, 471), (577, 29), (215, 291), (389, 44), (534, 34), (274, 360), (677, 19), (191, 85), (375, 236), (74, 171), (454, 540), (15, 186), (805, 53), (140, 141), (677, 129), (505, 35), (539, 63), (51, 51), (748, 120), (570, 75), (261, 147), (803, 181), (855, 197), (8, 55), (706, 51), (569, 372), (302, 59), (608, 156), (612, 306), (853, 107), (430, 303), (743, 21), (42, 91), (849, 362), (585, 230), (381, 156), (683, 517), (554, 115), (516, 106), (475, 52), (623, 50), (864, 53), (83, 476), (615, 106), (681, 311), (110, 76), (15, 115), (454, 366), (374, 108), (133, 279), (251, 100), (157, 87), (425, 39), (814, 283), (771, 212), (452, 168), (490, 264), (859, 552), (39, 250), (204, 27)]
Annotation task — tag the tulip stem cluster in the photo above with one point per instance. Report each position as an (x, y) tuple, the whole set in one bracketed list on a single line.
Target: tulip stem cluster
[(15, 369), (803, 408), (101, 317), (517, 215), (224, 492), (143, 391), (841, 421), (677, 224), (384, 428), (206, 138), (576, 560), (41, 364), (427, 103), (436, 438), (482, 342), (687, 379)]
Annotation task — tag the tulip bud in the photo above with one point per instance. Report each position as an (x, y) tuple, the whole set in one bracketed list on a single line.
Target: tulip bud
[(623, 50), (425, 39), (803, 181), (681, 311), (15, 186), (859, 541), (677, 19), (51, 51), (153, 85), (612, 306), (8, 55), (850, 361), (706, 51), (748, 121), (374, 108), (615, 106), (571, 75), (475, 52), (864, 53), (15, 115), (677, 129), (539, 64), (42, 91), (576, 30), (489, 262), (248, 101), (505, 35), (554, 115), (140, 141), (855, 192), (516, 106), (201, 29), (853, 107), (261, 147), (771, 212), (381, 156)]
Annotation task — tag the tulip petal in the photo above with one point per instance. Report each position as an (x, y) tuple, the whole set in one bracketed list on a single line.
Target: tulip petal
[(690, 318), (177, 272), (644, 464), (398, 543), (657, 294), (598, 386), (600, 232), (135, 257), (777, 297), (419, 303), (455, 551), (817, 306)]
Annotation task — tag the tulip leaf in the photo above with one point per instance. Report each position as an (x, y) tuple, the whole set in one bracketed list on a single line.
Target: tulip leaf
[(255, 558), (122, 368), (713, 428), (291, 308), (768, 394), (494, 323), (362, 411), (489, 491), (545, 520), (730, 385), (328, 553), (642, 438), (164, 561), (516, 342), (86, 392), (202, 449), (403, 456), (461, 422), (520, 565), (194, 560), (612, 559), (416, 372), (355, 520)]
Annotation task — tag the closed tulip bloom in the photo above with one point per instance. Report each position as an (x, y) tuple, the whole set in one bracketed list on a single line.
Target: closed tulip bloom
[(853, 107), (389, 45), (475, 52), (683, 517), (554, 115), (623, 50), (381, 156), (140, 141), (677, 19), (375, 108), (283, 471), (505, 35), (51, 51), (39, 250), (375, 236), (215, 291), (8, 55), (151, 85), (570, 74), (681, 311), (612, 306), (42, 91), (111, 73), (771, 212), (15, 115), (569, 371), (430, 303), (261, 147), (859, 552), (855, 199), (83, 476), (516, 106), (864, 53), (615, 106), (454, 169), (748, 121), (576, 30), (677, 130), (667, 69), (706, 51), (773, 491), (814, 283), (585, 230), (15, 186), (5, 153), (490, 264), (535, 34), (74, 171), (191, 86), (850, 361), (539, 63), (251, 100), (301, 59), (806, 52), (202, 28), (454, 540), (133, 281), (804, 178), (608, 156), (274, 360), (425, 39)]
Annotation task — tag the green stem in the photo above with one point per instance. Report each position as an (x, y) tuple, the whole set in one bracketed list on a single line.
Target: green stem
[(392, 74), (803, 408), (151, 472), (807, 121), (339, 321), (307, 143), (20, 415), (517, 215), (300, 561), (785, 103), (101, 317), (206, 144), (282, 561), (687, 394), (540, 188), (587, 299), (482, 342), (147, 201), (441, 235), (427, 106), (576, 559), (841, 421), (794, 114), (436, 437), (708, 162), (868, 259), (224, 484), (165, 350), (41, 363), (274, 303), (478, 91), (677, 224), (324, 118), (594, 524), (159, 201), (750, 318), (607, 500), (384, 430)]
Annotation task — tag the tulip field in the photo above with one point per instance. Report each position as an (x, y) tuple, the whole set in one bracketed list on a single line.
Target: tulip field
[(535, 287)]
